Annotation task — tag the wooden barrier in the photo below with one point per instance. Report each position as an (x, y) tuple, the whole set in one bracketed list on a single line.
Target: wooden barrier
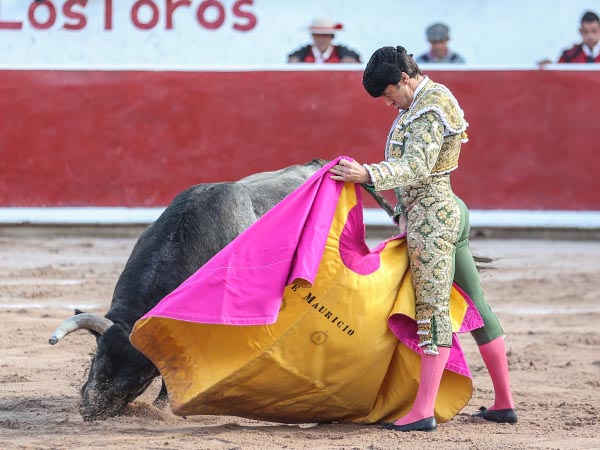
[(137, 138)]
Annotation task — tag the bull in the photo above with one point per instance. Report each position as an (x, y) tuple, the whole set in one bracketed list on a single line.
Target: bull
[(197, 224)]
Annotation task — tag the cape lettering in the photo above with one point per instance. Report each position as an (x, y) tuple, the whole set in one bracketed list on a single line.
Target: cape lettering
[(325, 312)]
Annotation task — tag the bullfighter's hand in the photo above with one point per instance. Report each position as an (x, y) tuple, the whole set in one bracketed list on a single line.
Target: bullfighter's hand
[(350, 172)]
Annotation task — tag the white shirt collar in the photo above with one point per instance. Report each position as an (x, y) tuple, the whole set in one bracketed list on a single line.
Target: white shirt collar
[(320, 58), (419, 87), (593, 52)]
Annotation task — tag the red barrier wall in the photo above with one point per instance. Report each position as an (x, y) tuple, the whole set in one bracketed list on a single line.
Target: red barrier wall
[(129, 138)]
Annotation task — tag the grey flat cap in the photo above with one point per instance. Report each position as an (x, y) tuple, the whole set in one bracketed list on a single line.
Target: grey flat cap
[(438, 32)]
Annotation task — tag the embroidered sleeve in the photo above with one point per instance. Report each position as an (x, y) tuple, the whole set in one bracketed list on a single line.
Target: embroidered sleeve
[(422, 145)]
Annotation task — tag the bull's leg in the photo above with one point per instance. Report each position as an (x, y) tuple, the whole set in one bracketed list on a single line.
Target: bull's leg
[(163, 397)]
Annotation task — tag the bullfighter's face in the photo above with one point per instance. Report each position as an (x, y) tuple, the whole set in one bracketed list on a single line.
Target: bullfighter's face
[(399, 95)]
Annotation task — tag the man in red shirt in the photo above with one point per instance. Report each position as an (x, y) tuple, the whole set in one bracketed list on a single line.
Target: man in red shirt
[(589, 50), (322, 50)]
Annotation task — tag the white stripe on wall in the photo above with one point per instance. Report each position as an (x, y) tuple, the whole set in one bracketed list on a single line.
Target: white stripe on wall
[(372, 217), (164, 67)]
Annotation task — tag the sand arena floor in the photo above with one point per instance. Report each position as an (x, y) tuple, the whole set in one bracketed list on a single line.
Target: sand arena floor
[(547, 294)]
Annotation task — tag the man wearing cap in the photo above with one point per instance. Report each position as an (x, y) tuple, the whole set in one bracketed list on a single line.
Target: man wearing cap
[(438, 36), (322, 50)]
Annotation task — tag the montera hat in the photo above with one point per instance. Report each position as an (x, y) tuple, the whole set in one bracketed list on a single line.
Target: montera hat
[(382, 70), (438, 32), (324, 26)]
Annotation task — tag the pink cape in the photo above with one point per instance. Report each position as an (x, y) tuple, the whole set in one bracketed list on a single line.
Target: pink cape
[(243, 284)]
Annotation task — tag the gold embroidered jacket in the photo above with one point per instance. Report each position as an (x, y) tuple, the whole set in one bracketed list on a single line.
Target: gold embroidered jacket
[(424, 140)]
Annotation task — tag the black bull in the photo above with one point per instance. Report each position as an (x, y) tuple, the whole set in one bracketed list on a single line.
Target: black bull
[(194, 227)]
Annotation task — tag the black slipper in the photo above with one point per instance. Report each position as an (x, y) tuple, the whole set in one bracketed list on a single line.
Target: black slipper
[(427, 424), (497, 415)]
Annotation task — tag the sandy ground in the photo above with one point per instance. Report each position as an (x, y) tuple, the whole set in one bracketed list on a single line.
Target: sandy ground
[(547, 294)]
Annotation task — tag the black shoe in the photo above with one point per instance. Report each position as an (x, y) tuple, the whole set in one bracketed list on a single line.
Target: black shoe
[(497, 415), (428, 424)]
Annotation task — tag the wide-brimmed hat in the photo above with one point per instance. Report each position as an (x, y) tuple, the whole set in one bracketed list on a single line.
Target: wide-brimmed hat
[(324, 26)]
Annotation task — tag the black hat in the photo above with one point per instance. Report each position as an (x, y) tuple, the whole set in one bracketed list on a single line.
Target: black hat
[(382, 70)]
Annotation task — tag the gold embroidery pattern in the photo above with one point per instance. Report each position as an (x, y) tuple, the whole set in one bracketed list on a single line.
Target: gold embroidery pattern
[(422, 142), (436, 97), (448, 159), (433, 225)]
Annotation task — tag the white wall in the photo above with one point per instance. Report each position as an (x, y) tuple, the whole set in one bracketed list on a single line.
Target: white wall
[(485, 32)]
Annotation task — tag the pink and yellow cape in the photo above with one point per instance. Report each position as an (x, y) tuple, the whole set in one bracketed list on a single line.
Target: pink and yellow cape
[(297, 320)]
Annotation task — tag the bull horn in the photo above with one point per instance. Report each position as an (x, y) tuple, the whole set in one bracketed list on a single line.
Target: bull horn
[(85, 321)]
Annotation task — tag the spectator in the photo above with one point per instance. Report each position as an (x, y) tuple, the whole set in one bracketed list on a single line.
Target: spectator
[(589, 50), (322, 50), (438, 36)]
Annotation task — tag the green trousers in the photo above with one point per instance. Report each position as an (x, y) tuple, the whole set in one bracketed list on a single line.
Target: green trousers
[(466, 276)]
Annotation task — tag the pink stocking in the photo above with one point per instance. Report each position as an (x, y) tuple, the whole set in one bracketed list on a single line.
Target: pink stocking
[(432, 368), (494, 357)]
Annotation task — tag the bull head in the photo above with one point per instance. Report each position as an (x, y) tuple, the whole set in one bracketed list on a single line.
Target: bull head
[(118, 372)]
